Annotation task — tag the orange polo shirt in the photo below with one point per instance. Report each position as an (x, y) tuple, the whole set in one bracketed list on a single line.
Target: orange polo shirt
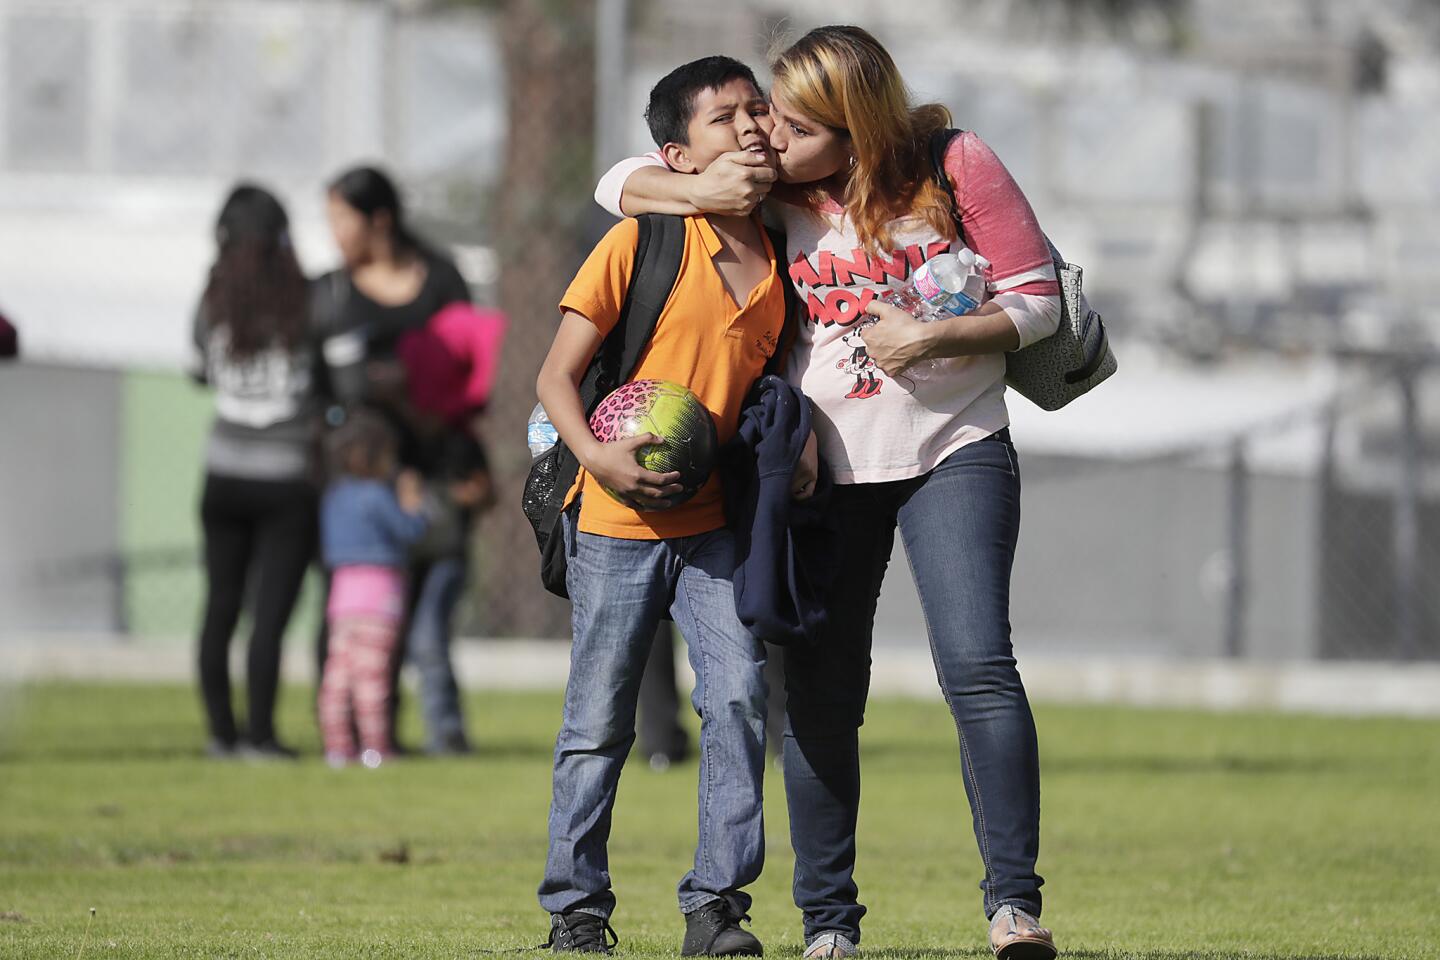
[(703, 340)]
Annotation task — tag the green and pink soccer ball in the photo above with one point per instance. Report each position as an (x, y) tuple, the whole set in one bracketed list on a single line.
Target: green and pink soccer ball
[(672, 412)]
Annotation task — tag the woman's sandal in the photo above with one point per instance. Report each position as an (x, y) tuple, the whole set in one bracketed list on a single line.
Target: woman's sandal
[(1015, 935), (830, 945)]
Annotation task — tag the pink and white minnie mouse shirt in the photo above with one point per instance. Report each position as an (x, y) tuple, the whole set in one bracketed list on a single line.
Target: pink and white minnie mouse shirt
[(871, 427)]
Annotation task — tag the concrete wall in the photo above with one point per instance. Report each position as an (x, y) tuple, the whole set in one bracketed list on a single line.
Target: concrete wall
[(1130, 560), (59, 500)]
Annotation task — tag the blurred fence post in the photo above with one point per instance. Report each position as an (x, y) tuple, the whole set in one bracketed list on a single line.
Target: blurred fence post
[(1237, 497), (118, 570), (612, 17), (1407, 517)]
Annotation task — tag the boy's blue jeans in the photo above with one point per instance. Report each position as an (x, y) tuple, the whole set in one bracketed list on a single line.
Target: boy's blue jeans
[(619, 591)]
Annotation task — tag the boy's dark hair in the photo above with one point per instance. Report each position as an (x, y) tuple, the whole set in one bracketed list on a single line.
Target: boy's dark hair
[(360, 446), (672, 100)]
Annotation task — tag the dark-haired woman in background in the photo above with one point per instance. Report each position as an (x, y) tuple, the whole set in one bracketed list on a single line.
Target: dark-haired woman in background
[(389, 284), (258, 353)]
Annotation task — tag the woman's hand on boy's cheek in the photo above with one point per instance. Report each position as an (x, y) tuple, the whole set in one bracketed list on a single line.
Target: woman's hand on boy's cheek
[(734, 183)]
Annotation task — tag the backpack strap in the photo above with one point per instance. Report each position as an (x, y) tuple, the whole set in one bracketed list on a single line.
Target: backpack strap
[(659, 248), (793, 318)]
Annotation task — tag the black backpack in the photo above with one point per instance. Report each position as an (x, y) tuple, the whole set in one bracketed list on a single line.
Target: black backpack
[(658, 251)]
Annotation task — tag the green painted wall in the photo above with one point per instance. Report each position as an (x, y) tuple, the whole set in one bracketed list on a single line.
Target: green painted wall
[(164, 422)]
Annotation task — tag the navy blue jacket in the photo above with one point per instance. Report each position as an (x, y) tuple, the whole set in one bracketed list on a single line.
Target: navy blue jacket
[(783, 547)]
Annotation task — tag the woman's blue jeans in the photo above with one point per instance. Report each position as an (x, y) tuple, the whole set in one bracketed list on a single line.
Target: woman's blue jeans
[(959, 524)]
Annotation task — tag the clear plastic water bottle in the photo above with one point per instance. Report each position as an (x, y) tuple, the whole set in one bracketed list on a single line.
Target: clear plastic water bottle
[(540, 432), (946, 285)]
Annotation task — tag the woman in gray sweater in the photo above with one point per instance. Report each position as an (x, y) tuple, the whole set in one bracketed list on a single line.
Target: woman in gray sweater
[(256, 350)]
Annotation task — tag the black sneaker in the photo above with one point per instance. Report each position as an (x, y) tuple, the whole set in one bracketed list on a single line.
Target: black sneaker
[(580, 932), (714, 931)]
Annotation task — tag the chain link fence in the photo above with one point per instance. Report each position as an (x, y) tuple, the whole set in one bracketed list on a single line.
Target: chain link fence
[(1244, 522)]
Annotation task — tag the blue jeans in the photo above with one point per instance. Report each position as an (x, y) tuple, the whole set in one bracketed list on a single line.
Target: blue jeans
[(619, 590), (959, 523), (427, 646)]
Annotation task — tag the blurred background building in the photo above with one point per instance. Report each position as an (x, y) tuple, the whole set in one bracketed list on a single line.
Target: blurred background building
[(1252, 188)]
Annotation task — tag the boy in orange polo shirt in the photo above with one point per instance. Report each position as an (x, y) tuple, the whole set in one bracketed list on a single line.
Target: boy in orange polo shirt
[(629, 567)]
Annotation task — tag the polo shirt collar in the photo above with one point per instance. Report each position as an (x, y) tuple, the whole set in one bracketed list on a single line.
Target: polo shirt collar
[(708, 236)]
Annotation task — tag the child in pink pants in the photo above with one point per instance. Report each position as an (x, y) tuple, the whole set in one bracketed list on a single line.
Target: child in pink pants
[(367, 524)]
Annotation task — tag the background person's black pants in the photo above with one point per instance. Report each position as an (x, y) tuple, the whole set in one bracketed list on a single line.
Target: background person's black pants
[(659, 731), (260, 535), (658, 728)]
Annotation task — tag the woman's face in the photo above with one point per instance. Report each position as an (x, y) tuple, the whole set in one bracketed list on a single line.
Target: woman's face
[(807, 150), (353, 231)]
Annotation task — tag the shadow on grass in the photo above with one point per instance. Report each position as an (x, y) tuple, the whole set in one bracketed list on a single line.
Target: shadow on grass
[(1096, 765), (1122, 954), (1119, 953), (170, 752), (1226, 764)]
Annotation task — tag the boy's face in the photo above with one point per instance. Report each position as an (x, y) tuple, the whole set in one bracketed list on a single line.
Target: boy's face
[(726, 118)]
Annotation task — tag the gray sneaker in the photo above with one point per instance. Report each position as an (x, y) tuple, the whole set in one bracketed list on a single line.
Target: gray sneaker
[(829, 944)]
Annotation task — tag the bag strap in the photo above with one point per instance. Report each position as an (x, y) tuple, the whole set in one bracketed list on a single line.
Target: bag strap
[(939, 146), (659, 248), (791, 327)]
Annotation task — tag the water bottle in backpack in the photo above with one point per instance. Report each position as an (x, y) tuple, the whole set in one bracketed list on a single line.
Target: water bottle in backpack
[(540, 433)]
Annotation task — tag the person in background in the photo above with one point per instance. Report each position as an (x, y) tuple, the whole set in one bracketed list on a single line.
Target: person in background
[(368, 523), (389, 285), (660, 736), (9, 339), (662, 739), (256, 349)]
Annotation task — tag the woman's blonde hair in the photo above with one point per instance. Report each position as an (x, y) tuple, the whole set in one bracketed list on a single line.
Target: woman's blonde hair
[(842, 77)]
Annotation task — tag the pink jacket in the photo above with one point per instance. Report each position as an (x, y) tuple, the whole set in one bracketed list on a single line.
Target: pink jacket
[(451, 363)]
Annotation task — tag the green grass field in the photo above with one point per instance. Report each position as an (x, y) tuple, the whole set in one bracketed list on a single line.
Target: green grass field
[(1167, 835)]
